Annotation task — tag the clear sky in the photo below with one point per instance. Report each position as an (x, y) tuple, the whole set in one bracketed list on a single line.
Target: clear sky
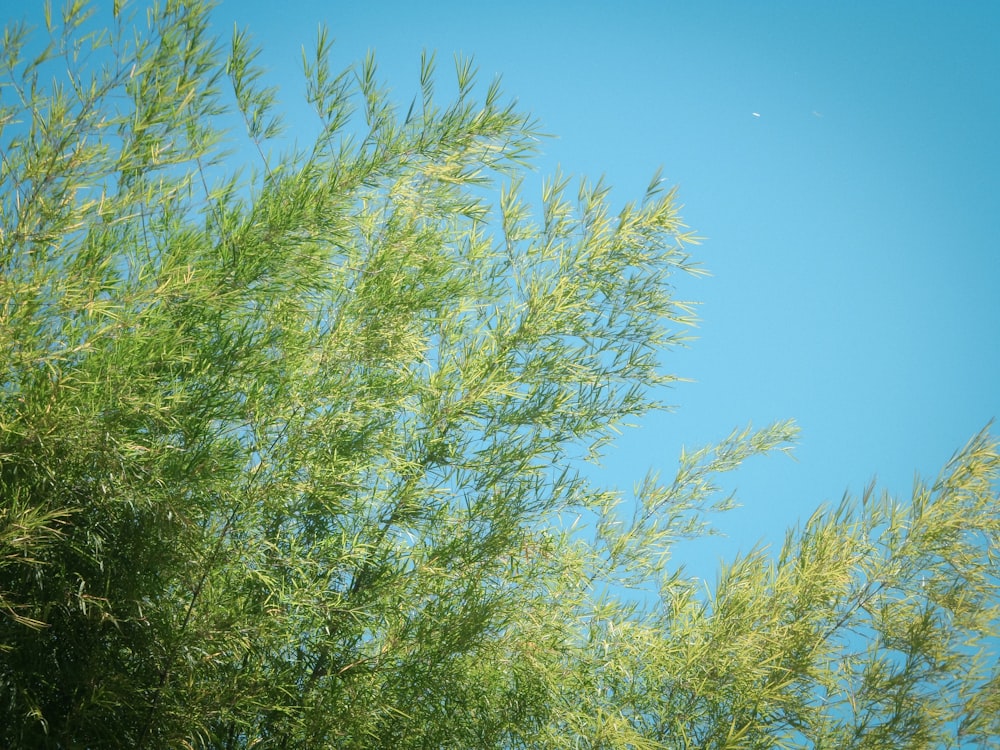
[(839, 158)]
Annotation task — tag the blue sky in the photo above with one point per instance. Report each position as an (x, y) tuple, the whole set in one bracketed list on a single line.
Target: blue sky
[(851, 224), (851, 228), (840, 161)]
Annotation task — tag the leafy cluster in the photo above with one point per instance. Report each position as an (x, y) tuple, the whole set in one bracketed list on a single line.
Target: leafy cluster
[(289, 454)]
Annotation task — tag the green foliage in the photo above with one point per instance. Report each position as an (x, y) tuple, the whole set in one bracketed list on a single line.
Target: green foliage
[(289, 457), (875, 627)]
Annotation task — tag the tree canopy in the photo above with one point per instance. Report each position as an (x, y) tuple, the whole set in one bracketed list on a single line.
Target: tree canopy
[(293, 441)]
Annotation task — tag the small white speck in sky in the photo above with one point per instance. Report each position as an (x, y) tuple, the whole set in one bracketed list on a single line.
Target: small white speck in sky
[(755, 114)]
